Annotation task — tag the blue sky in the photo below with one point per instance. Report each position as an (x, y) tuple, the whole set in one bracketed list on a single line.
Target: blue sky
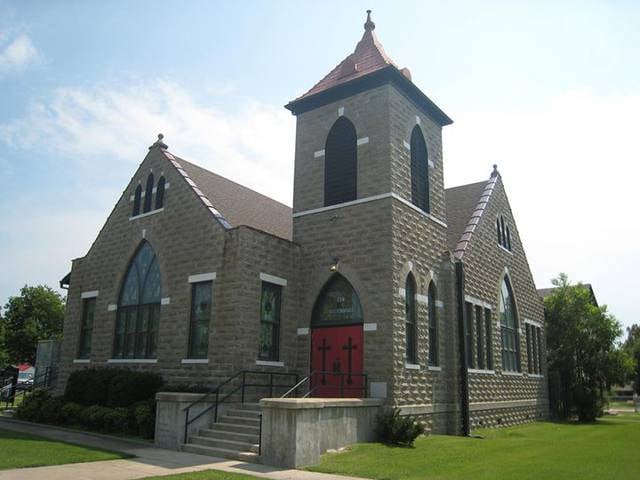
[(548, 90)]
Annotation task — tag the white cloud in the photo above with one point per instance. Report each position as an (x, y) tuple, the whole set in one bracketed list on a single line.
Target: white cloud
[(252, 145), (17, 55), (571, 167)]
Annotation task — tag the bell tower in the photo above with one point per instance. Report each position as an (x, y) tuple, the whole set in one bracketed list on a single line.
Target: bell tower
[(368, 191)]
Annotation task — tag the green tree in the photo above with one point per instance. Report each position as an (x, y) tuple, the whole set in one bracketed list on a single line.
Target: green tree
[(36, 314), (582, 350), (632, 347), (4, 358)]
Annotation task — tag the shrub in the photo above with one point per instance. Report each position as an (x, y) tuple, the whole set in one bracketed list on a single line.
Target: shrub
[(394, 429), (94, 417), (116, 420), (129, 387), (145, 419), (29, 409), (72, 413), (51, 411)]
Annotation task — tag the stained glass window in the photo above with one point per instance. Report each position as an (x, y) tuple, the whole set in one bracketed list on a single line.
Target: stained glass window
[(137, 198), (340, 163), (419, 170), (488, 334), (201, 299), (410, 318), (136, 334), (468, 333), (86, 328), (270, 301), (509, 329), (160, 193), (433, 326), (337, 304), (148, 193)]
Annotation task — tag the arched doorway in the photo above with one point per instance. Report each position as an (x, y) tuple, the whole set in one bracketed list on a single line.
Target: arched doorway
[(337, 346)]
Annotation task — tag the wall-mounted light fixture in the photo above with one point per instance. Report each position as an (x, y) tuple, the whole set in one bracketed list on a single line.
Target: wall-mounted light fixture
[(334, 264)]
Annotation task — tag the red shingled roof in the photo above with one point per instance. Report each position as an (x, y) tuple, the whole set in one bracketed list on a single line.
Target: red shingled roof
[(368, 57)]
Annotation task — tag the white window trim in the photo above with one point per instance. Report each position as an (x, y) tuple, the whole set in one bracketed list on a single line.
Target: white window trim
[(266, 277), (303, 331), (81, 360), (535, 375), (112, 307), (419, 210), (89, 294), (202, 277), (185, 361), (362, 141), (132, 360), (407, 145), (268, 363), (424, 299), (369, 327), (481, 371), (318, 153), (165, 301), (412, 366), (152, 212), (439, 304), (505, 249), (477, 301), (512, 374), (133, 197), (434, 368), (534, 323)]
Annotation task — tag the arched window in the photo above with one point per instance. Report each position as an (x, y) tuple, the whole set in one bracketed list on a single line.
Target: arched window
[(136, 333), (148, 193), (419, 170), (503, 234), (499, 231), (160, 193), (509, 328), (137, 198), (410, 318), (508, 242), (433, 326), (337, 304), (340, 163)]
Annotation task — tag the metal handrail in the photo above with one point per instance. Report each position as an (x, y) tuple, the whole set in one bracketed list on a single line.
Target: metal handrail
[(342, 375), (49, 375), (217, 390)]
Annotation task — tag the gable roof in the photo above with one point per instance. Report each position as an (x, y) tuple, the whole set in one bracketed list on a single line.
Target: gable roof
[(465, 205), (233, 204), (545, 292)]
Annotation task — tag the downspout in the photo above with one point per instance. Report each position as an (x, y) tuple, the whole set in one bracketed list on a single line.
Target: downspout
[(462, 333)]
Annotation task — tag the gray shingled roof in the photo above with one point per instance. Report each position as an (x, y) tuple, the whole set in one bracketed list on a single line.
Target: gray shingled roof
[(240, 205), (461, 202), (545, 292)]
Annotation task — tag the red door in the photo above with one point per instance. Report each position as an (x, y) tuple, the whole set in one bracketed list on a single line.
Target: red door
[(336, 362)]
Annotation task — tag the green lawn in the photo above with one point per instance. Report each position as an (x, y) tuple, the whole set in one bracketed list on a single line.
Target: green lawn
[(537, 451), (20, 450), (620, 404), (203, 475)]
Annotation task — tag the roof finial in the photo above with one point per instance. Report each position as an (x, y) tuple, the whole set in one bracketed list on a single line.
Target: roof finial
[(159, 143), (369, 25), (495, 171)]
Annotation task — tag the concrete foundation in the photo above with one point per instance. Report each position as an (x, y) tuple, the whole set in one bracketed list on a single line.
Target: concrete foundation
[(296, 431)]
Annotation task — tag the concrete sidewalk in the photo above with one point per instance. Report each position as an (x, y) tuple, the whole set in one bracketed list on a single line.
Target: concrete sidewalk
[(149, 460)]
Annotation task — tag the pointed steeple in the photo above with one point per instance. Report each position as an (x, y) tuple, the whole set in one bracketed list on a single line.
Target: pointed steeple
[(368, 57)]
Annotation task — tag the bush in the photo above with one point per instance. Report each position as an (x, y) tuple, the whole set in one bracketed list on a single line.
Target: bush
[(116, 420), (394, 429), (129, 387), (72, 413), (30, 407), (111, 387), (51, 411), (94, 417), (144, 415)]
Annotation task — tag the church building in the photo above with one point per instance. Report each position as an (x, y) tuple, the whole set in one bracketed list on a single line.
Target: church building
[(379, 282)]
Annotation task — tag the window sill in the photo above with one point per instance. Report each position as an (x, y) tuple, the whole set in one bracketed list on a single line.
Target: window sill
[(194, 360), (147, 214), (434, 368), (412, 366), (132, 360), (481, 371), (81, 360), (534, 375), (506, 249), (512, 374), (268, 363)]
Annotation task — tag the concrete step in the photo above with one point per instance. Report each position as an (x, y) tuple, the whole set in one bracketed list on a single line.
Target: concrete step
[(224, 443), (235, 427), (221, 452), (239, 437), (252, 421), (249, 406), (243, 413)]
